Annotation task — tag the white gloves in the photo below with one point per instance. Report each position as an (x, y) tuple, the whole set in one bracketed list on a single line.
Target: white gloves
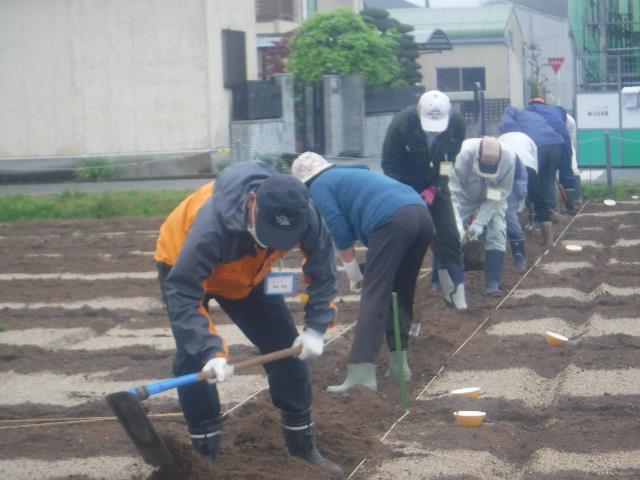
[(221, 367), (312, 343), (474, 232), (355, 275)]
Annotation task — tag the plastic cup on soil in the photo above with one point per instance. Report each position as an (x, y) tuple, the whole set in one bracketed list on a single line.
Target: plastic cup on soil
[(609, 202), (555, 339), (469, 392), (469, 418), (572, 249)]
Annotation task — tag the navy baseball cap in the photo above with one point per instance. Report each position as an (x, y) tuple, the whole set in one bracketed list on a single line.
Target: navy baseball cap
[(283, 203)]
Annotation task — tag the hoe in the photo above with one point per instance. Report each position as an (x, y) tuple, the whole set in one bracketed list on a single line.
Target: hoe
[(133, 417)]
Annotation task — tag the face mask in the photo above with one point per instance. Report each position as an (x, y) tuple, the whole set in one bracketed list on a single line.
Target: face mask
[(251, 228)]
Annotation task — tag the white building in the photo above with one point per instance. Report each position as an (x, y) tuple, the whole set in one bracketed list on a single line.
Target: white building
[(87, 77)]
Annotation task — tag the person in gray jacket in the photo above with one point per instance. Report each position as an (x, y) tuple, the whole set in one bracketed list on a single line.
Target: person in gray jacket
[(482, 181), (219, 244)]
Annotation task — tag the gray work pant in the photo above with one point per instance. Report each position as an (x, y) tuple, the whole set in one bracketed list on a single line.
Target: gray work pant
[(395, 255)]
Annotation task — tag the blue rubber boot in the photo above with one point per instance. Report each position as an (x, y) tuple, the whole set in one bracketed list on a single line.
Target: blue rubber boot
[(493, 260), (518, 252)]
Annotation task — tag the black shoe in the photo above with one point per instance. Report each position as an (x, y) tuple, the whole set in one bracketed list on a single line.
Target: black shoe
[(300, 437)]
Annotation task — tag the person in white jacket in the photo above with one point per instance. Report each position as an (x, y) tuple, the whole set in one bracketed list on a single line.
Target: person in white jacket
[(482, 181), (525, 185)]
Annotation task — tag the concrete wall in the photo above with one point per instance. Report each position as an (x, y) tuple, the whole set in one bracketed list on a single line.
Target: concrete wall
[(85, 77), (516, 62), (375, 128), (250, 138), (344, 119)]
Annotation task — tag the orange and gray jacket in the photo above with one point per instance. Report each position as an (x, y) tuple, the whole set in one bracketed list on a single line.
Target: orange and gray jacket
[(210, 252)]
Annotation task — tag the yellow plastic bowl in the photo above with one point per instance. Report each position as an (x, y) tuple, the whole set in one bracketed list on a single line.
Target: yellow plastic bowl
[(469, 392), (573, 249), (555, 339), (609, 202), (469, 418), (304, 298)]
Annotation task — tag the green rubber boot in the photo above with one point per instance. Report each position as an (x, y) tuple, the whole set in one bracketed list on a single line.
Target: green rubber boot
[(357, 374), (393, 370)]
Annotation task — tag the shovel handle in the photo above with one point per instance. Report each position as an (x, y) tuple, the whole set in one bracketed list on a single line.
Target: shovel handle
[(145, 391)]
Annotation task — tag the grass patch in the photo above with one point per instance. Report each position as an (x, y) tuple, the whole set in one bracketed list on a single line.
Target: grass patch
[(78, 205), (598, 191), (3, 328), (93, 169), (70, 205)]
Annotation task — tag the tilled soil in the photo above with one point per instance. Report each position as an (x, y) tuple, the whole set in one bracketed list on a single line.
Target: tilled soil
[(552, 413)]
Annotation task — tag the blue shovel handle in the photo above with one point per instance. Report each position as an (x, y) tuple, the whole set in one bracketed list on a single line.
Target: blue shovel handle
[(143, 392)]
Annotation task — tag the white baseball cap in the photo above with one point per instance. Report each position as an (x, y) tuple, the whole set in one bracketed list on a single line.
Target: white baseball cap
[(307, 165), (433, 109)]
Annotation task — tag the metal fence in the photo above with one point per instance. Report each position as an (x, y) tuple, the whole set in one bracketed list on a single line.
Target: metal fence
[(609, 71)]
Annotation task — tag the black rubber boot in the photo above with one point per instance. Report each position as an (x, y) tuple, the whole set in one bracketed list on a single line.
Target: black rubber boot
[(205, 438), (300, 437)]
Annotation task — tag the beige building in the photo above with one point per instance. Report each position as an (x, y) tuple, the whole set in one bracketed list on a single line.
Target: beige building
[(86, 77), (487, 47)]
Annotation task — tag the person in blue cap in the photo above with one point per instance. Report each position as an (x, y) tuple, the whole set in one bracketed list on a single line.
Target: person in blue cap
[(219, 244)]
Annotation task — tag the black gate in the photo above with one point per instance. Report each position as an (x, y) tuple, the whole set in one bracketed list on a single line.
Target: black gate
[(312, 117)]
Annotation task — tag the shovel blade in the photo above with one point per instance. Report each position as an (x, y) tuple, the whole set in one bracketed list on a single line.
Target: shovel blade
[(135, 422)]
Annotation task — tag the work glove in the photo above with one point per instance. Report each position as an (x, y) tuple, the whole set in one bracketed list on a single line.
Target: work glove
[(474, 232), (429, 194), (221, 367), (355, 275), (312, 343)]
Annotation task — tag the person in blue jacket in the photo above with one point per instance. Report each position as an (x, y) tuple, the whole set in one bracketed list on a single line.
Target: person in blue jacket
[(542, 190), (392, 220), (556, 118)]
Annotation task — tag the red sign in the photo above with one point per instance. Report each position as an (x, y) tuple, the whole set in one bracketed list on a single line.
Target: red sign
[(555, 62)]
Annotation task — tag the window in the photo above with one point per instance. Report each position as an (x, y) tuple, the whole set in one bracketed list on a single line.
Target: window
[(234, 62), (460, 79)]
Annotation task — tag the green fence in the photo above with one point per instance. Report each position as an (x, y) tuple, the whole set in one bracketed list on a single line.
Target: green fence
[(592, 153)]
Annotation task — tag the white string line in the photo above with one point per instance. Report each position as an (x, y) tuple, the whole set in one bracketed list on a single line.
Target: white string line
[(439, 372)]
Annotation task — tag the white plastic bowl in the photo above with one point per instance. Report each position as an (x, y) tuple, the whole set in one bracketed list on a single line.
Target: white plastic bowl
[(609, 202), (469, 392), (573, 249), (469, 418)]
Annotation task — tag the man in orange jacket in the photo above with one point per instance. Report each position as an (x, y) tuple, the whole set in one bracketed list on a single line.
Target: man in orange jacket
[(220, 243)]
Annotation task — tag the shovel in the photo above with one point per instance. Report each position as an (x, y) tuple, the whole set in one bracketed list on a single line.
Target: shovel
[(133, 417)]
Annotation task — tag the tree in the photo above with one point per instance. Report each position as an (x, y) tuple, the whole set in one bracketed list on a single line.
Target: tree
[(340, 42), (537, 80), (407, 49), (274, 59)]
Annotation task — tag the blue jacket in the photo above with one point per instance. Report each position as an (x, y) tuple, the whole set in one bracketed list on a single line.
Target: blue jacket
[(531, 123), (556, 118), (355, 201)]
